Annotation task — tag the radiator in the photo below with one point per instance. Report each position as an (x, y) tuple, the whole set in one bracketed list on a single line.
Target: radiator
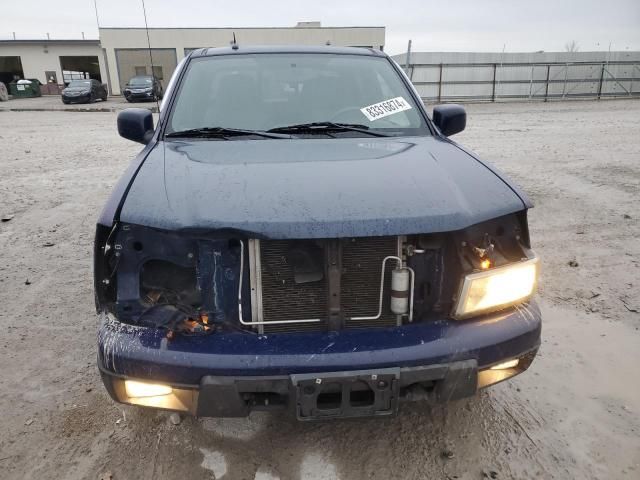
[(287, 294)]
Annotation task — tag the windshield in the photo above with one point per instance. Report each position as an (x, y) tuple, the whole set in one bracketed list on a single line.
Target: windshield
[(80, 84), (140, 81), (272, 91)]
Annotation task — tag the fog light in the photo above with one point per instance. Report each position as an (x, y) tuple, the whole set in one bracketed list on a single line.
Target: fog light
[(506, 365), (156, 395), (136, 389)]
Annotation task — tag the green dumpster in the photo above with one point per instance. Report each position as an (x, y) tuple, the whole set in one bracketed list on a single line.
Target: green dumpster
[(25, 88)]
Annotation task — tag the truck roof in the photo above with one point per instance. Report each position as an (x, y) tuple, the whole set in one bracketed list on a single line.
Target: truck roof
[(242, 49)]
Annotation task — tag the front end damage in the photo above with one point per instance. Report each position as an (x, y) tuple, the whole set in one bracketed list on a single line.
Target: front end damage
[(222, 323)]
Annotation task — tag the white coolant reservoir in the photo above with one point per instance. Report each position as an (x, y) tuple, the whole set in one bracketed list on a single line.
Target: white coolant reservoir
[(400, 282)]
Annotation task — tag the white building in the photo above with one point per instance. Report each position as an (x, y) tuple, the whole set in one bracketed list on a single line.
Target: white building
[(121, 53), (51, 61)]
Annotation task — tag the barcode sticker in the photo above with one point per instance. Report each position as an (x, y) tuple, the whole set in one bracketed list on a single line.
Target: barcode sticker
[(386, 108)]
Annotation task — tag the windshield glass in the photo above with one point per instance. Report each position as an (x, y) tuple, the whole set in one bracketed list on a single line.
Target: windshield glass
[(80, 84), (267, 91), (140, 81)]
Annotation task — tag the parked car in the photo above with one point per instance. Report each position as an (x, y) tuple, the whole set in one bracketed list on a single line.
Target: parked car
[(141, 88), (84, 91), (298, 233)]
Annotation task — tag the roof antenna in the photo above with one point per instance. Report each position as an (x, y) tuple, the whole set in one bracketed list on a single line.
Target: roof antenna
[(234, 44), (146, 27)]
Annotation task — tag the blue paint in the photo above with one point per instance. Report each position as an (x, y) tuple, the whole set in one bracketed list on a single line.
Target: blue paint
[(145, 353), (316, 188)]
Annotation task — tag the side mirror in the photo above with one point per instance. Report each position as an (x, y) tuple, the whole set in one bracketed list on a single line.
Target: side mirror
[(450, 118), (136, 124)]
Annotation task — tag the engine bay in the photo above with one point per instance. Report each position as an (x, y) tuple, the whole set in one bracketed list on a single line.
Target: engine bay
[(197, 284)]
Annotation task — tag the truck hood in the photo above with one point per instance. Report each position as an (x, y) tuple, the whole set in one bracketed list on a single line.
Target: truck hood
[(316, 188)]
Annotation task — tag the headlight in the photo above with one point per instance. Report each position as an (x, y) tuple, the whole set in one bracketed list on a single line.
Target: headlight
[(497, 288)]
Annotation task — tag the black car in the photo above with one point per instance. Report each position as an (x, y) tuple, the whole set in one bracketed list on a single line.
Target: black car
[(298, 233), (84, 91), (142, 87)]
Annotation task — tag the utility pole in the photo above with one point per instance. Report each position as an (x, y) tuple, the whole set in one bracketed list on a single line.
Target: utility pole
[(95, 6), (407, 60)]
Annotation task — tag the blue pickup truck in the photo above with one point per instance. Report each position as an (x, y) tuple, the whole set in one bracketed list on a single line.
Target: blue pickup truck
[(299, 233)]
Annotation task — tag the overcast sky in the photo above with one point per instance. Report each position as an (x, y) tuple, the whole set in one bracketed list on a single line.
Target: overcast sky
[(459, 25)]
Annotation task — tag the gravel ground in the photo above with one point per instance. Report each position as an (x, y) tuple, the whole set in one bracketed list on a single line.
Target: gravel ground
[(574, 414), (54, 103)]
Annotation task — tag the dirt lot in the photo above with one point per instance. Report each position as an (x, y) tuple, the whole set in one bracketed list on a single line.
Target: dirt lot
[(54, 103), (575, 414)]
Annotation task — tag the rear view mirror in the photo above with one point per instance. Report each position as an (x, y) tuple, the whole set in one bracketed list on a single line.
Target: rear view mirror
[(450, 118), (136, 124)]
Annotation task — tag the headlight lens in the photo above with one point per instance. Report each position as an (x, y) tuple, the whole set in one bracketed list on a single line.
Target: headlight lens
[(497, 288)]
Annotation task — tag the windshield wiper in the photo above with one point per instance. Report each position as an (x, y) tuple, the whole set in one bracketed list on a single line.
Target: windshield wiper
[(222, 132), (324, 127)]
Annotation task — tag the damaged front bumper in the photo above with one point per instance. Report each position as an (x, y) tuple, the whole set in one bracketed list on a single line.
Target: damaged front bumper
[(318, 375)]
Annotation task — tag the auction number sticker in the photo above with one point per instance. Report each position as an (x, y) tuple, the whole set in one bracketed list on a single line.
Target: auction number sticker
[(386, 108)]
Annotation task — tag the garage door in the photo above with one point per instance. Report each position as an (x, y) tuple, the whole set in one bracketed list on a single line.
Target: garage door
[(132, 62)]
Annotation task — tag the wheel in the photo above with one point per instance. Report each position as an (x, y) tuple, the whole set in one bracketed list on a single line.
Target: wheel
[(127, 99), (104, 97)]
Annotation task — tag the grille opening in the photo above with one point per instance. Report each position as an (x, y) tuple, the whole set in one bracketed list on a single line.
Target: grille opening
[(330, 398), (361, 395), (264, 399)]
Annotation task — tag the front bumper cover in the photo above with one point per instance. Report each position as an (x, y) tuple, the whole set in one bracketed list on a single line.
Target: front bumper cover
[(235, 373), (139, 95), (84, 98)]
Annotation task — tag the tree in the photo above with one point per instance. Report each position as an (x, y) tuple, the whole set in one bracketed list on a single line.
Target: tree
[(571, 46)]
